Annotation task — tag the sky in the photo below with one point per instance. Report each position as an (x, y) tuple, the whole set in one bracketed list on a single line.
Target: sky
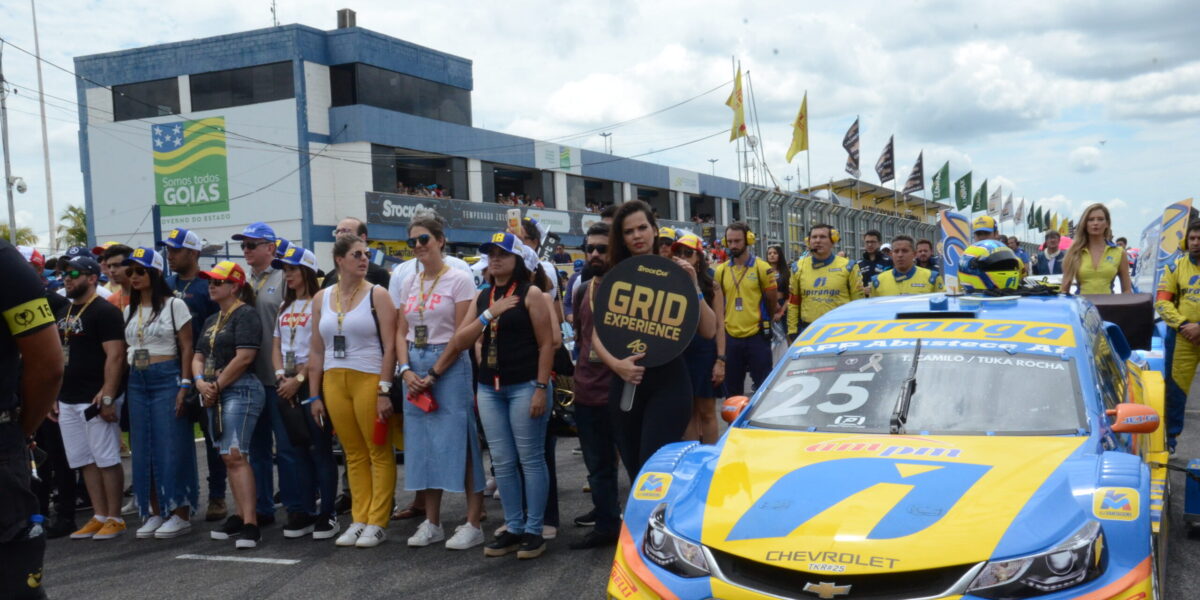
[(1064, 103)]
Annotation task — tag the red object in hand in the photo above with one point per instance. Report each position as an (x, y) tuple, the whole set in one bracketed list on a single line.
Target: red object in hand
[(381, 430), (423, 400)]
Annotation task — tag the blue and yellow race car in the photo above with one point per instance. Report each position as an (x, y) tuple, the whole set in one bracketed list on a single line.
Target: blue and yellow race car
[(919, 447)]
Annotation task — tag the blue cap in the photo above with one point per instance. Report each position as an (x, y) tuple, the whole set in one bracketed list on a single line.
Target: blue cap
[(281, 247), (297, 257), (256, 231), (146, 257), (75, 251), (85, 264), (504, 241), (578, 265), (182, 238)]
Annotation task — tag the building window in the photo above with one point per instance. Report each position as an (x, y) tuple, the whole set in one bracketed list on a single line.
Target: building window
[(146, 99), (239, 87), (357, 83)]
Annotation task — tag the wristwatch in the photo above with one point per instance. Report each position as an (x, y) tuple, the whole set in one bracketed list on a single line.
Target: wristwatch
[(539, 385), (721, 357), (434, 374), (106, 400), (385, 387), (300, 378)]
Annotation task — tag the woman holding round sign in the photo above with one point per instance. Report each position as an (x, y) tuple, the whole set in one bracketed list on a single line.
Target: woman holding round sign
[(643, 306)]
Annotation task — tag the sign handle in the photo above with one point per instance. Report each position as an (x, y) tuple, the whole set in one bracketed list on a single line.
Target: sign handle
[(627, 396)]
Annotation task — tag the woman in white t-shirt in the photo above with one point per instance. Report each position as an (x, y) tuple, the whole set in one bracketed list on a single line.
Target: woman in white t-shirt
[(293, 334), (441, 445), (158, 333)]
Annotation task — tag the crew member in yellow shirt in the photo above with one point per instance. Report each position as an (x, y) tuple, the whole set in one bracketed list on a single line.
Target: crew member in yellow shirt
[(821, 282), (905, 277), (1178, 303), (748, 286)]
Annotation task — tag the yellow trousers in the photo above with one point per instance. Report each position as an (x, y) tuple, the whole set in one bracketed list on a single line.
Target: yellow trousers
[(350, 398)]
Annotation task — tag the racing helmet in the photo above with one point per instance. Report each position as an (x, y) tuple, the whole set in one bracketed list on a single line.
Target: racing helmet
[(988, 265)]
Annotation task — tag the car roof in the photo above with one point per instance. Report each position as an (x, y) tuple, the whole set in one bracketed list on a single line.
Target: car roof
[(1060, 309)]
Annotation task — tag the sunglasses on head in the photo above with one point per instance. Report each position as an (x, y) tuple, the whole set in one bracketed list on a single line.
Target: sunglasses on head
[(420, 239), (684, 252), (248, 245), (599, 248)]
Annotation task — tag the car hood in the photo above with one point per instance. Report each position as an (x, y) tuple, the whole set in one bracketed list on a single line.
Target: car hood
[(871, 503)]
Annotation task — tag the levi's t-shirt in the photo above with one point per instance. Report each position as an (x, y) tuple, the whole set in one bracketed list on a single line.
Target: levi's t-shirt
[(454, 286)]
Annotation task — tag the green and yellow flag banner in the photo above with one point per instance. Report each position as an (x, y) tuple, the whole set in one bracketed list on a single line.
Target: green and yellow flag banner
[(980, 202), (962, 191), (940, 188), (190, 167)]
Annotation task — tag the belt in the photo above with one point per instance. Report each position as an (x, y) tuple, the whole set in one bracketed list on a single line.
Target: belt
[(11, 415)]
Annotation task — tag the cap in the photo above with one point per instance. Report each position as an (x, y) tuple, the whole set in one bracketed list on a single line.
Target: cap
[(74, 251), (182, 238), (886, 247), (33, 256), (984, 223), (256, 231), (98, 250), (689, 241), (530, 257), (226, 270), (504, 241), (667, 232), (146, 257), (85, 264), (297, 257), (578, 264), (281, 247)]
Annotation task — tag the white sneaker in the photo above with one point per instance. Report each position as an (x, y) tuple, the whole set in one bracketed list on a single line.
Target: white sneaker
[(149, 527), (350, 537), (465, 536), (490, 488), (174, 527), (130, 507), (372, 536), (549, 532), (427, 533)]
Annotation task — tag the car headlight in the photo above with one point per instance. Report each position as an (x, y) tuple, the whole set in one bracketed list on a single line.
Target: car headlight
[(1077, 560), (670, 551)]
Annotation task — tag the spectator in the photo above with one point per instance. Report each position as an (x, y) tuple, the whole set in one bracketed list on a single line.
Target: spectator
[(749, 299), (352, 365), (873, 262), (376, 274), (1050, 260), (64, 260), (1015, 245), (1123, 243), (538, 203), (113, 257), (513, 389), (778, 261), (701, 354), (225, 380), (662, 244), (925, 256), (1093, 261), (560, 255), (441, 444), (607, 214)]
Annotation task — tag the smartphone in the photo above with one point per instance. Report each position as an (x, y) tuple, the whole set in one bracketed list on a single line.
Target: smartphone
[(514, 220), (90, 412)]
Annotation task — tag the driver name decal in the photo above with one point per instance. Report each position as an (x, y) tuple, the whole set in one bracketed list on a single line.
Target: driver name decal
[(1022, 332)]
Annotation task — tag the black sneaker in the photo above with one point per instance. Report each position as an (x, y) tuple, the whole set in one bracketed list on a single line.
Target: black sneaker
[(299, 525), (342, 505), (251, 535), (231, 528), (532, 546), (326, 527), (594, 539), (265, 520), (505, 543), (59, 528), (586, 520)]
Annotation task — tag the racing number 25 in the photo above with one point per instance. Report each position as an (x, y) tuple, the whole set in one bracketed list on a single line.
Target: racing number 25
[(856, 395)]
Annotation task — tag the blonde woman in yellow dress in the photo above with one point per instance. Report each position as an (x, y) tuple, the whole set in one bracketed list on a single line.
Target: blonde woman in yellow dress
[(1093, 260)]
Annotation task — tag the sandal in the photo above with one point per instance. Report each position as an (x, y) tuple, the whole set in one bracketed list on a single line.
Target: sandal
[(411, 512)]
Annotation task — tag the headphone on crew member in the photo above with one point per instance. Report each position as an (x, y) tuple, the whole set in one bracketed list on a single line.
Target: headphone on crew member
[(750, 238), (834, 235)]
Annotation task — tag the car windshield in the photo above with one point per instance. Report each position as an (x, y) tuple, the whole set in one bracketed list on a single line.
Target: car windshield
[(956, 393)]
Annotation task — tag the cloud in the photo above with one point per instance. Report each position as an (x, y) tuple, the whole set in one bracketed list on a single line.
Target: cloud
[(1085, 159)]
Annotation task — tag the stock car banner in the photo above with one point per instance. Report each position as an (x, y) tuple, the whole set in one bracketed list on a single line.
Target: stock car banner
[(647, 304), (190, 167), (955, 238)]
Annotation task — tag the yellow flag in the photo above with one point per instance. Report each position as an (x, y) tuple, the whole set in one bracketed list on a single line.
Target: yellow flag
[(1054, 222), (1064, 228), (800, 130), (739, 114)]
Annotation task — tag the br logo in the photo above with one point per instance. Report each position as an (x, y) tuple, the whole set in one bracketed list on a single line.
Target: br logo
[(935, 488)]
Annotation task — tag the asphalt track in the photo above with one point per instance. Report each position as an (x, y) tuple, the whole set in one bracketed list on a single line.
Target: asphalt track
[(128, 568)]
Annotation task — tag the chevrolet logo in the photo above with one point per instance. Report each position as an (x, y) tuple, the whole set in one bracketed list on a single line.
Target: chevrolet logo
[(826, 590)]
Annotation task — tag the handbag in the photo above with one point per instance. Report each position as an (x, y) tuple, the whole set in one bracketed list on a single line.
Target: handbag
[(423, 400)]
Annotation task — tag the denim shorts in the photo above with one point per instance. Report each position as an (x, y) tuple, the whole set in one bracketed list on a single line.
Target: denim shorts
[(241, 404)]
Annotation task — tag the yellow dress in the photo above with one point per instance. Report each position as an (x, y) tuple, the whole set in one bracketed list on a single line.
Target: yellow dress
[(1098, 280)]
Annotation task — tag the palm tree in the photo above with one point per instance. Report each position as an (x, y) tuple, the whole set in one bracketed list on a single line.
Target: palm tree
[(72, 227), (25, 235)]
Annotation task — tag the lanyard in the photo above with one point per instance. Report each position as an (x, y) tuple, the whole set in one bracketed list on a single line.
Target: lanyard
[(337, 303), (182, 293), (221, 320), (737, 281), (77, 316), (141, 329), (262, 281), (425, 298), (292, 326), (495, 326)]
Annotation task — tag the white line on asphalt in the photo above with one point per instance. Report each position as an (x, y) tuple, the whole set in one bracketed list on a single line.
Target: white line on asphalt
[(266, 561)]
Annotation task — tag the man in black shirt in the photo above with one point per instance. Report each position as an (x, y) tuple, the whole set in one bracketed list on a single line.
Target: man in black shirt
[(873, 261), (93, 332), (29, 354), (376, 274)]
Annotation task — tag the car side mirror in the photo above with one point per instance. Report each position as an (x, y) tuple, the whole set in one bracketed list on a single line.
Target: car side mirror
[(1134, 418), (732, 407)]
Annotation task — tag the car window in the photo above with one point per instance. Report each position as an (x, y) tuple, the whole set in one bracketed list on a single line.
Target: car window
[(957, 392), (1110, 378)]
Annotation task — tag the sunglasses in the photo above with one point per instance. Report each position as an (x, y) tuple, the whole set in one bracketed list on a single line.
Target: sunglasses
[(251, 245), (137, 270), (358, 254), (598, 248), (216, 282), (684, 252), (72, 274), (420, 239)]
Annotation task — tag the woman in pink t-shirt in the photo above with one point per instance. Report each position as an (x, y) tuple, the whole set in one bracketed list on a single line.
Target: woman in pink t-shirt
[(441, 447)]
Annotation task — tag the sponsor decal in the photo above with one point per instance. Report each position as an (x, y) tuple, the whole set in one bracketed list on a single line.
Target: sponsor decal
[(886, 447), (831, 561), (652, 486), (929, 329), (623, 582), (190, 169), (1116, 503)]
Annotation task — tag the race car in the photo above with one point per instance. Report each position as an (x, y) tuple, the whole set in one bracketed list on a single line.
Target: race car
[(919, 447)]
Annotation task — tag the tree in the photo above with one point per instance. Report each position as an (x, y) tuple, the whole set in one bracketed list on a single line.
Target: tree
[(25, 235), (72, 227)]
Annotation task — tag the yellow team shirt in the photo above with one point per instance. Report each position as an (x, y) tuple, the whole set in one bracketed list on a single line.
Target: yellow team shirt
[(1098, 280), (744, 288), (1181, 278), (917, 280), (821, 286)]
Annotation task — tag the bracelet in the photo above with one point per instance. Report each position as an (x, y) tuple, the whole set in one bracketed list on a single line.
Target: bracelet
[(484, 320), (185, 380), (404, 367), (279, 373), (200, 378), (185, 386), (310, 400), (434, 374), (699, 295), (487, 312), (539, 385)]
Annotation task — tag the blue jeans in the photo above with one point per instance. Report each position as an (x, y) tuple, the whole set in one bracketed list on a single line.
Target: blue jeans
[(512, 436), (241, 406), (316, 469), (597, 438), (262, 460), (164, 452)]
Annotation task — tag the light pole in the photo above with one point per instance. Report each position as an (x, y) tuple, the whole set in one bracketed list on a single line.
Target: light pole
[(788, 184), (607, 135), (713, 162)]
